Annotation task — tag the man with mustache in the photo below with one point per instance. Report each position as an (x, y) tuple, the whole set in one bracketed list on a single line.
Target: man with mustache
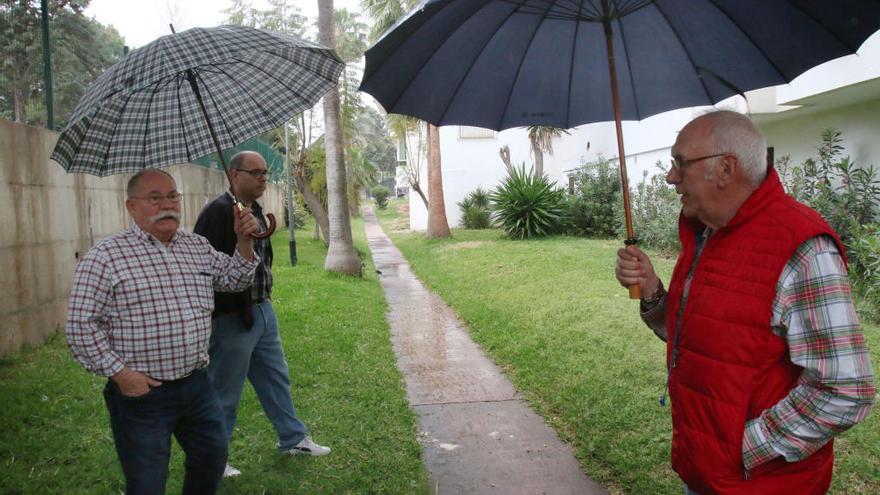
[(140, 314), (766, 358), (245, 342)]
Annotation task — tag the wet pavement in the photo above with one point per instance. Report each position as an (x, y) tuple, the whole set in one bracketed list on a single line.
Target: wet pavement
[(477, 434)]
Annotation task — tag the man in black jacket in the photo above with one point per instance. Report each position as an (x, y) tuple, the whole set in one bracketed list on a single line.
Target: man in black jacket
[(244, 340)]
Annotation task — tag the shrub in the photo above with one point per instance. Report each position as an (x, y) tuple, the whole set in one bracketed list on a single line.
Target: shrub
[(848, 197), (863, 253), (594, 205), (655, 210), (526, 206), (380, 195), (475, 210)]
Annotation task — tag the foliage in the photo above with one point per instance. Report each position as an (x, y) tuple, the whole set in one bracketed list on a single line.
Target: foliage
[(372, 137), (80, 48), (848, 197), (380, 194), (385, 13), (655, 209), (476, 210), (596, 199), (541, 141), (527, 206), (863, 250), (301, 213)]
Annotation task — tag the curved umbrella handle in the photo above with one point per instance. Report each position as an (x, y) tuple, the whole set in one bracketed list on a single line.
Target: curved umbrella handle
[(262, 235)]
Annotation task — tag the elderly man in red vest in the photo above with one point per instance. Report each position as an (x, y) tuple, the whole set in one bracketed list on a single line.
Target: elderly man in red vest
[(766, 358)]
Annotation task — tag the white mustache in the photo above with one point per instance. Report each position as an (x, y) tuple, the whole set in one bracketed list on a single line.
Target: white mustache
[(165, 214)]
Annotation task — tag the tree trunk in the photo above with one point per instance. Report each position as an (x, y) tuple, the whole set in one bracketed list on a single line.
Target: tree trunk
[(539, 163), (314, 203), (504, 153), (341, 256), (438, 226), (418, 188)]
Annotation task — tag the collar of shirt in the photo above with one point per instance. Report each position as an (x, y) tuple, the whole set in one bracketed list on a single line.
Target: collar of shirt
[(146, 237)]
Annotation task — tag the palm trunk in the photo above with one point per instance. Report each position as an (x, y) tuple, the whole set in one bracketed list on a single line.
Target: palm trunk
[(341, 256), (539, 163), (438, 226)]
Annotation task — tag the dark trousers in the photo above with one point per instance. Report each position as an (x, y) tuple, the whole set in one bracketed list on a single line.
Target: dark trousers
[(142, 429)]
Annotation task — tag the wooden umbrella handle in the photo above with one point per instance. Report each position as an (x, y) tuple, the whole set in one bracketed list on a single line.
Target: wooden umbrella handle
[(266, 233)]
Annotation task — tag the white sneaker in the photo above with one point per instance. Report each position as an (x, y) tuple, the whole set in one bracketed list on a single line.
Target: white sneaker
[(230, 472), (308, 447)]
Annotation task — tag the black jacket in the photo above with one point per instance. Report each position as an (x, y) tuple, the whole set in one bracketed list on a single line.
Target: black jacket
[(215, 223)]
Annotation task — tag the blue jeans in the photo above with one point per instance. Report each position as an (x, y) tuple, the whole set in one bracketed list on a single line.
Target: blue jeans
[(142, 428), (256, 354), (688, 491)]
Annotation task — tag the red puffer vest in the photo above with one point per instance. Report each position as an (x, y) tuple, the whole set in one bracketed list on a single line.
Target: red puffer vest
[(730, 366)]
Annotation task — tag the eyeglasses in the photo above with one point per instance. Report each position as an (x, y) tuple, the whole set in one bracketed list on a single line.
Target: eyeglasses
[(255, 173), (678, 163), (155, 199)]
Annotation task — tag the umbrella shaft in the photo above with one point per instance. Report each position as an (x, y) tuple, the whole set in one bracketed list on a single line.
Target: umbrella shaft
[(191, 77), (615, 102)]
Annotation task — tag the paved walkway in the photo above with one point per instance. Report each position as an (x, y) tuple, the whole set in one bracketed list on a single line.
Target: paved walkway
[(477, 434)]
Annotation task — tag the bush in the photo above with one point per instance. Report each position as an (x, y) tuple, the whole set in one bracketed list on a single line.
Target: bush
[(655, 210), (594, 207), (847, 197), (526, 206), (475, 210), (301, 212), (380, 195)]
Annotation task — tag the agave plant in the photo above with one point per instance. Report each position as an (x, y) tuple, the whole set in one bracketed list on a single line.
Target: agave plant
[(526, 206), (475, 210)]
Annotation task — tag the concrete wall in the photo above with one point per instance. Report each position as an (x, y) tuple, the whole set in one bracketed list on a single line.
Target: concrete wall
[(50, 218)]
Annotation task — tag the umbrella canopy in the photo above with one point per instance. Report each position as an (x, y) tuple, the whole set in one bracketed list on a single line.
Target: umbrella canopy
[(150, 109), (506, 63)]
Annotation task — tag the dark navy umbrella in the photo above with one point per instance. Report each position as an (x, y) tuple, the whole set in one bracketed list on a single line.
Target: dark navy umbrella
[(507, 63)]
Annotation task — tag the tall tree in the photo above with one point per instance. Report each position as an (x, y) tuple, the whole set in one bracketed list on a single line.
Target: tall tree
[(81, 49), (341, 256), (541, 139), (385, 13), (438, 226)]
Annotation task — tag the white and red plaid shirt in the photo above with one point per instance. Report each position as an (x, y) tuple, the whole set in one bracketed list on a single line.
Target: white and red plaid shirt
[(139, 303)]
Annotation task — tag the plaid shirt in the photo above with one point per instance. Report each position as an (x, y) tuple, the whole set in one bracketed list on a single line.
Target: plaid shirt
[(813, 311), (138, 303), (262, 288)]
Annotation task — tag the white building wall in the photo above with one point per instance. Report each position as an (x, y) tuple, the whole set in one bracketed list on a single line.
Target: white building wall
[(799, 136)]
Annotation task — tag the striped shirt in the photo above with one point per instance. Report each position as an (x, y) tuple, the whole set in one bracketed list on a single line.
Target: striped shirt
[(138, 303), (813, 311)]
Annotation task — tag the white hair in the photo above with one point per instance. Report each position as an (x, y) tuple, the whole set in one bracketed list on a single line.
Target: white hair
[(735, 133)]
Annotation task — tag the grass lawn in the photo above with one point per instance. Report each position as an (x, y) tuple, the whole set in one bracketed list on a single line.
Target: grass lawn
[(55, 436), (551, 314)]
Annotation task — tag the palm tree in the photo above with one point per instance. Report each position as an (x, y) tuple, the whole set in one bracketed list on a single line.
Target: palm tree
[(341, 256), (384, 14), (438, 226), (541, 138)]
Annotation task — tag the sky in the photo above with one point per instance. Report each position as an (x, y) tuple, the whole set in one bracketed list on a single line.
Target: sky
[(142, 21)]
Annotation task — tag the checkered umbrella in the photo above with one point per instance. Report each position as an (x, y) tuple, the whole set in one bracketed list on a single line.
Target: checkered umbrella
[(150, 109)]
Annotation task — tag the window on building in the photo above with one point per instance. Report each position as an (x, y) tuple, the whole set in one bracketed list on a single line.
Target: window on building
[(467, 132)]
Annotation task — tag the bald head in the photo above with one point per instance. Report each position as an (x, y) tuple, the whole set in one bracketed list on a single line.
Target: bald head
[(733, 132), (135, 180)]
